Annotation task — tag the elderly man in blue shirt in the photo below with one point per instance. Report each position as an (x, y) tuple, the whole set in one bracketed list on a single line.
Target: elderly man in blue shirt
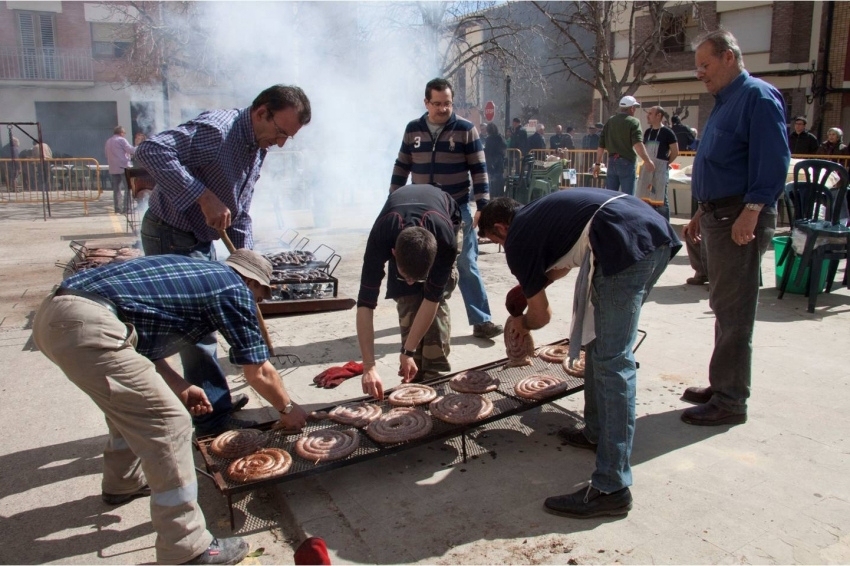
[(110, 331), (738, 174), (205, 171)]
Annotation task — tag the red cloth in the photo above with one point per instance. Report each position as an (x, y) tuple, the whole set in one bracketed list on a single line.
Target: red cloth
[(332, 377), (312, 551), (515, 301)]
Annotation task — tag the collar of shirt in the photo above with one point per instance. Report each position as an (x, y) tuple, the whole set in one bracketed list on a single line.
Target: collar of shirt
[(729, 90), (245, 129)]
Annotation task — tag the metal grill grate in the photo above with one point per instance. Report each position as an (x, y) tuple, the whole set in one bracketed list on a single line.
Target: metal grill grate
[(505, 404), (506, 408)]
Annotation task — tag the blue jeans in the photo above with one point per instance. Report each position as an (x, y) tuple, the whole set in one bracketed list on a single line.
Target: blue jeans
[(470, 282), (120, 194), (621, 175), (610, 375), (733, 293), (200, 361)]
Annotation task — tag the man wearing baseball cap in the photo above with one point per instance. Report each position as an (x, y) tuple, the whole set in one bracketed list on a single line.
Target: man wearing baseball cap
[(111, 329), (623, 139)]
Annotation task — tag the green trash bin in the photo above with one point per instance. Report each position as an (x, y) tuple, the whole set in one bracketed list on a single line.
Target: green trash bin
[(779, 243)]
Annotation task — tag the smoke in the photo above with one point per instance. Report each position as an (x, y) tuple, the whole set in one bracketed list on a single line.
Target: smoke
[(365, 78)]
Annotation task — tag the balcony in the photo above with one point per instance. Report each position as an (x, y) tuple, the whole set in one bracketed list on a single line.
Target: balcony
[(46, 64)]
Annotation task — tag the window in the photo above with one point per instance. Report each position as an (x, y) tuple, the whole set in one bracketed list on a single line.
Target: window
[(680, 26), (621, 44), (111, 41), (673, 33), (38, 45), (751, 27)]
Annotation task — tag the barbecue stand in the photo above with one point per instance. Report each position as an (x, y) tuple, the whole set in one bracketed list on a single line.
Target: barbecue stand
[(505, 404), (292, 295)]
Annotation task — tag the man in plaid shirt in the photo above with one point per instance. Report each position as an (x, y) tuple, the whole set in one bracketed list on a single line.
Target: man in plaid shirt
[(110, 330), (205, 171)]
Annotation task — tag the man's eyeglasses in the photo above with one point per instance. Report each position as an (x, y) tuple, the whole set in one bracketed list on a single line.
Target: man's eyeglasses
[(280, 132), (440, 104), (403, 280)]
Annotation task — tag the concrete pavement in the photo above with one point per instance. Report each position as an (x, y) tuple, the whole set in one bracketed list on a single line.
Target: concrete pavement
[(771, 491)]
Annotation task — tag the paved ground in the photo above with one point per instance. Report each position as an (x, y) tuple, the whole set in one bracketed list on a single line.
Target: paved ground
[(772, 491)]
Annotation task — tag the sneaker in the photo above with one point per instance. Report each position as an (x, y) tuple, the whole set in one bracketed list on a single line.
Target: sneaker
[(575, 437), (486, 329), (121, 498), (590, 502), (230, 423), (239, 402), (223, 551)]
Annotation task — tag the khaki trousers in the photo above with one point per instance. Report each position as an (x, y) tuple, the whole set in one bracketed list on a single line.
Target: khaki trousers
[(150, 430)]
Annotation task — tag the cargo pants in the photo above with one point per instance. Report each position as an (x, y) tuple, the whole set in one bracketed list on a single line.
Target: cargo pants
[(432, 352), (150, 430)]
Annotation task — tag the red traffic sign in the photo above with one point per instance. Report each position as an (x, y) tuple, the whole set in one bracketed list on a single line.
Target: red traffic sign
[(489, 110)]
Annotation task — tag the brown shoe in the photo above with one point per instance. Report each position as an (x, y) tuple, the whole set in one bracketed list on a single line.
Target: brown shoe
[(697, 280), (712, 415), (697, 395)]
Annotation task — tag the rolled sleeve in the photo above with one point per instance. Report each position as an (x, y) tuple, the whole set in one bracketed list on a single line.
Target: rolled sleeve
[(237, 322)]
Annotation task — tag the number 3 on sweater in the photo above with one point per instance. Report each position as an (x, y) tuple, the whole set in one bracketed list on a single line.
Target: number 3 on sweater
[(417, 141)]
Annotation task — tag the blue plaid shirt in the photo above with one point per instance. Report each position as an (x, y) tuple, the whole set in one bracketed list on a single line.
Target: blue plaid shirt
[(215, 151), (175, 300)]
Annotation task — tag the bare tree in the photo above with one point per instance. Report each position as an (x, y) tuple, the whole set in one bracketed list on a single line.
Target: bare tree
[(653, 26), (168, 43), (464, 39)]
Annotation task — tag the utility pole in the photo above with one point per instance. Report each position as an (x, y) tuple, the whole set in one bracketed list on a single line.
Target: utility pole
[(507, 103)]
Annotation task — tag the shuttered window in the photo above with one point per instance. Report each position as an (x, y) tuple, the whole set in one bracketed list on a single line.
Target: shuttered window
[(38, 45)]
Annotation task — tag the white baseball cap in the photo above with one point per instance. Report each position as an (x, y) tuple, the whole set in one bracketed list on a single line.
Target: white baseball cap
[(628, 102)]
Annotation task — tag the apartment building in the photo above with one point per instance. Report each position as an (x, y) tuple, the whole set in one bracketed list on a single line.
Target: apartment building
[(60, 65), (800, 47)]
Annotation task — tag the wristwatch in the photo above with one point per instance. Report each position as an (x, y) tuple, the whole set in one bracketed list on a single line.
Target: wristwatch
[(754, 206), (286, 410), (405, 352)]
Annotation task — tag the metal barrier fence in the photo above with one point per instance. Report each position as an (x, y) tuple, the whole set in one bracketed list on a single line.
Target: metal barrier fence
[(581, 160), (843, 160), (73, 179)]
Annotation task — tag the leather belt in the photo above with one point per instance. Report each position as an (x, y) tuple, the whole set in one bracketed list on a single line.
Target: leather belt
[(93, 297), (712, 205)]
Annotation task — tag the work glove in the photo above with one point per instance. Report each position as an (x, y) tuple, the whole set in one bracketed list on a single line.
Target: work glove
[(332, 377), (515, 301)]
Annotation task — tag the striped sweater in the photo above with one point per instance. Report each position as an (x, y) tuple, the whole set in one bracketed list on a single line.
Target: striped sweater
[(448, 163)]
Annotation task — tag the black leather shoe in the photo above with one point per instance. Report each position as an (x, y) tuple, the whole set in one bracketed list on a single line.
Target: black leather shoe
[(712, 415), (590, 502), (239, 402), (698, 395), (121, 498), (575, 437), (223, 551)]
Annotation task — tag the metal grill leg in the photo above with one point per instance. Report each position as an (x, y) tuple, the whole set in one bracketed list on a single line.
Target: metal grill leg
[(230, 506), (463, 445)]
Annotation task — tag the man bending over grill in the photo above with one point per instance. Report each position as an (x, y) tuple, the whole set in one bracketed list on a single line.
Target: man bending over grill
[(417, 233), (205, 171), (622, 247), (111, 329)]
